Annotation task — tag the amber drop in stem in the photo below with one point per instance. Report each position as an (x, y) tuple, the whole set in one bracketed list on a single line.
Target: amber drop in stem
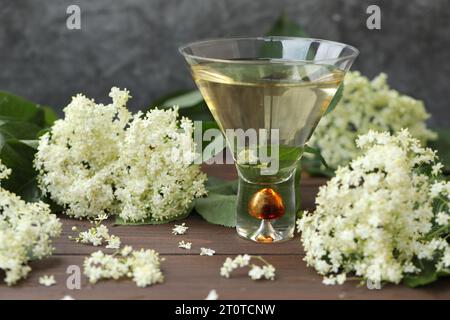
[(266, 204)]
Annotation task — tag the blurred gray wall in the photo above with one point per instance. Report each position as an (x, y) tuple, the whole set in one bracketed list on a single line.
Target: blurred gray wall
[(133, 44)]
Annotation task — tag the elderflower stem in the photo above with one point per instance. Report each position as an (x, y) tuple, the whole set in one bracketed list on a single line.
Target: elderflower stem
[(261, 259)]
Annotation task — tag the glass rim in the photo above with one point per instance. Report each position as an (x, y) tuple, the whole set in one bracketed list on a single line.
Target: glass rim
[(182, 49)]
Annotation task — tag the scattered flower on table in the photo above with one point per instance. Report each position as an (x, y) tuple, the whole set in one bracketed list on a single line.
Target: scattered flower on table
[(113, 242), (367, 105), (67, 297), (102, 159), (126, 250), (26, 232), (142, 266), (180, 229), (381, 217), (47, 281), (185, 245), (207, 252), (212, 295), (98, 234), (256, 272)]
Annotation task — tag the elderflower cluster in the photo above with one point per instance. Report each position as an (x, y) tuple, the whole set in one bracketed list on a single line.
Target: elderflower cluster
[(381, 215), (367, 105), (102, 159), (142, 266), (207, 252), (25, 232), (256, 272), (98, 234), (185, 245), (47, 280), (179, 229)]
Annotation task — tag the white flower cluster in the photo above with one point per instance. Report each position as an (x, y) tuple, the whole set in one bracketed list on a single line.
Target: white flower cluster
[(98, 234), (207, 252), (142, 266), (256, 272), (212, 295), (185, 245), (180, 229), (102, 159), (380, 214), (367, 105), (25, 232), (47, 280)]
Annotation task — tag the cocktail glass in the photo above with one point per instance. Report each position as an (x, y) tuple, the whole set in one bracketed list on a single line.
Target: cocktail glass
[(267, 95)]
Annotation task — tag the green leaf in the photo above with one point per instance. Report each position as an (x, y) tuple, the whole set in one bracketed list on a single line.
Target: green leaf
[(19, 157), (285, 27), (21, 121), (120, 222), (14, 108), (183, 99), (314, 167), (442, 145), (220, 186), (297, 187), (49, 116), (21, 130), (427, 276), (317, 153), (337, 97), (218, 209), (190, 103)]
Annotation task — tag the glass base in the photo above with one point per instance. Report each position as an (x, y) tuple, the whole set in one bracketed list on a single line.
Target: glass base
[(266, 211), (279, 235)]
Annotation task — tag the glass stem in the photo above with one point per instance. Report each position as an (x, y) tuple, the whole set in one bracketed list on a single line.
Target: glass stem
[(263, 220)]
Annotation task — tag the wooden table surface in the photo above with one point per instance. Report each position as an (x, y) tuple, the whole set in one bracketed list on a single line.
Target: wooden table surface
[(191, 276)]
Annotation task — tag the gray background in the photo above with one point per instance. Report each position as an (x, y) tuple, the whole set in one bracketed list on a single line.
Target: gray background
[(133, 44)]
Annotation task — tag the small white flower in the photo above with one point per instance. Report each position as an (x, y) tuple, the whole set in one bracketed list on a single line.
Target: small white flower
[(47, 281), (256, 272), (242, 260), (212, 295), (67, 297), (269, 272), (228, 266), (98, 234), (113, 242), (126, 251), (436, 169), (143, 266), (207, 252), (101, 217), (442, 218), (184, 245), (101, 231), (180, 229)]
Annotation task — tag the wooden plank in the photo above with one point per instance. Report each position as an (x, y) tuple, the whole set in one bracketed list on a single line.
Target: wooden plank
[(191, 277), (160, 238), (200, 233)]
